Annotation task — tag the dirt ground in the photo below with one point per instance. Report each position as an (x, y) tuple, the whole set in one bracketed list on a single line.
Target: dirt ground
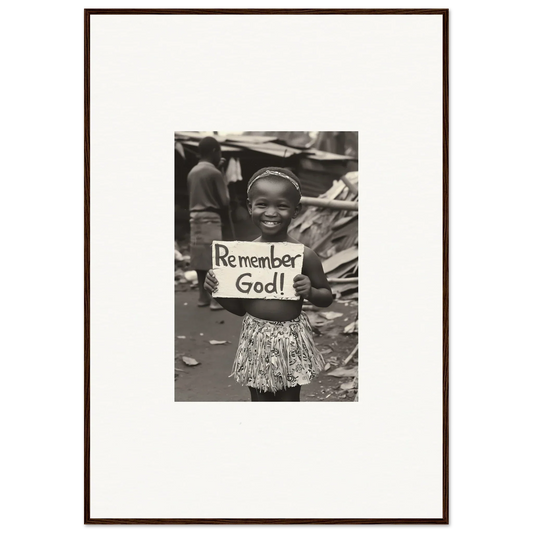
[(209, 381)]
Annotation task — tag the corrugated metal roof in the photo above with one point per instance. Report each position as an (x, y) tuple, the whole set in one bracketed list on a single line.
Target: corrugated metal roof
[(262, 144), (316, 169), (250, 138), (319, 155), (178, 135), (270, 148), (255, 139), (223, 147)]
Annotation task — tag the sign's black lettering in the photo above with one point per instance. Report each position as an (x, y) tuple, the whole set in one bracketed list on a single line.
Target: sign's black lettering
[(263, 262), (244, 261), (257, 270), (276, 262), (218, 258), (243, 286)]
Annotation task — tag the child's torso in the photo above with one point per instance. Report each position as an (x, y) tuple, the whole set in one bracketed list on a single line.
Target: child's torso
[(276, 310)]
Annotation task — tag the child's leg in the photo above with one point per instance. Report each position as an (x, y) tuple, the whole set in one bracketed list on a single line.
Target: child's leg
[(203, 295), (290, 394), (258, 396)]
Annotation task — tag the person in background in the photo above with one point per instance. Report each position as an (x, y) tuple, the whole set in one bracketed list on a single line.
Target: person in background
[(208, 201)]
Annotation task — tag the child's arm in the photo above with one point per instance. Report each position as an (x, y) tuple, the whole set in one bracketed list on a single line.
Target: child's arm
[(233, 305), (312, 284)]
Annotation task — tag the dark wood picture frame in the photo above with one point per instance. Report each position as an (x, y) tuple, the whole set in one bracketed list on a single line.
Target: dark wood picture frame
[(445, 279)]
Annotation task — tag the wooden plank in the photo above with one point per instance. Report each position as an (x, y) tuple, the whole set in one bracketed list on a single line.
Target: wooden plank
[(339, 259), (330, 204), (343, 221), (343, 280), (351, 186), (341, 270)]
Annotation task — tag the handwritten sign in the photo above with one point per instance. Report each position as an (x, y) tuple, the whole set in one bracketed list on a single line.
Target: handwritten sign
[(257, 269)]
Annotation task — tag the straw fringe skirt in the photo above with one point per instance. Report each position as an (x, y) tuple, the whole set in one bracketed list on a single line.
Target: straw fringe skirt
[(272, 356)]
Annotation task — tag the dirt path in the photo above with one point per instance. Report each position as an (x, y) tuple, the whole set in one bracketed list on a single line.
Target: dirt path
[(209, 380)]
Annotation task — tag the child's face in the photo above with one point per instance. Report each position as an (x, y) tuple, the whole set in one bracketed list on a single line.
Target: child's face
[(272, 205)]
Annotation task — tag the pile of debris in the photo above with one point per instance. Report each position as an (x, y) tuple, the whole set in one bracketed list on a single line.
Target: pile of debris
[(331, 230), (183, 275)]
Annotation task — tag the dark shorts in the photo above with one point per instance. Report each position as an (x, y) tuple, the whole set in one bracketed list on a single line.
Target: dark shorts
[(206, 227)]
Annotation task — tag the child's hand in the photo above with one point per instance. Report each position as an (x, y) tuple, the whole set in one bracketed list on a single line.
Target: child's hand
[(302, 285), (211, 282)]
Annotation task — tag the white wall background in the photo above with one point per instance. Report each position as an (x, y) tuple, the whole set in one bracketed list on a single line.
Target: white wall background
[(390, 91)]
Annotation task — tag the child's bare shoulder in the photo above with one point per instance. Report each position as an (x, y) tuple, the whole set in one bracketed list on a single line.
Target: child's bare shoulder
[(311, 260)]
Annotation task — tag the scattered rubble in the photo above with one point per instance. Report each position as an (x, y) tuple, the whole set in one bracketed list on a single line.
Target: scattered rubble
[(333, 235), (351, 328), (189, 361), (183, 275)]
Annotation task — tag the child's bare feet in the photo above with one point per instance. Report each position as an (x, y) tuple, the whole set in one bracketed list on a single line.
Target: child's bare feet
[(215, 306)]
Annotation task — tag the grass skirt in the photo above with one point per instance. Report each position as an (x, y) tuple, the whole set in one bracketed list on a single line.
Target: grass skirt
[(272, 356)]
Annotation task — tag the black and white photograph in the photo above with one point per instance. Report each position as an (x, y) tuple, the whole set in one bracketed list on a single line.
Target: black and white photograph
[(266, 266)]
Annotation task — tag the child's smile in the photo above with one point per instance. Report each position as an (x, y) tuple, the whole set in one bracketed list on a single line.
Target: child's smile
[(273, 205)]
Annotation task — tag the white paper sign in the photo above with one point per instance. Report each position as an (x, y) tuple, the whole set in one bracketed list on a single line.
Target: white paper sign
[(257, 269)]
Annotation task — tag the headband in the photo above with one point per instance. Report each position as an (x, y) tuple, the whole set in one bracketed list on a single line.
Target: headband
[(274, 173)]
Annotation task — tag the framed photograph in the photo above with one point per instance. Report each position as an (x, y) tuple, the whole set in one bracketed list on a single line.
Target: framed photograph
[(266, 220)]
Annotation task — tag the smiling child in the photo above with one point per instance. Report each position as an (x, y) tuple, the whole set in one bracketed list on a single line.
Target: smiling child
[(276, 353)]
